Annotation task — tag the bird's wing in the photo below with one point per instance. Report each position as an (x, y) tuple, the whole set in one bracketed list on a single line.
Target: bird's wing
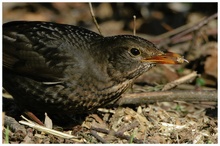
[(37, 50)]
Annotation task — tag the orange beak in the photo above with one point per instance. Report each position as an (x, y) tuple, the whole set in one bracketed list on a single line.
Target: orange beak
[(166, 58)]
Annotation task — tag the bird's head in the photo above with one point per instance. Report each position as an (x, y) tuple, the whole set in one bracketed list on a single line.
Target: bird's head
[(130, 56)]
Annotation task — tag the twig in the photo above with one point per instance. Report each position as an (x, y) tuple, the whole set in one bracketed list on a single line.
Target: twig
[(195, 27), (100, 130), (161, 96), (174, 31), (189, 37), (135, 140), (129, 127), (181, 80), (94, 19), (134, 29), (94, 133), (117, 134), (161, 41), (46, 130)]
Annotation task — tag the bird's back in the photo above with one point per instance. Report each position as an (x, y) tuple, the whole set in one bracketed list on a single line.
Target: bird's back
[(49, 65)]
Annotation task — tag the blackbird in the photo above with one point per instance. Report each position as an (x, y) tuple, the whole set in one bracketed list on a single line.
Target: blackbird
[(59, 68)]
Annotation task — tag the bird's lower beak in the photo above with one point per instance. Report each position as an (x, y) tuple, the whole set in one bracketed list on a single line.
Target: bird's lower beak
[(166, 58)]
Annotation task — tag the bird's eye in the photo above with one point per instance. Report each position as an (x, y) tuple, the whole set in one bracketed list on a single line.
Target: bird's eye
[(135, 51)]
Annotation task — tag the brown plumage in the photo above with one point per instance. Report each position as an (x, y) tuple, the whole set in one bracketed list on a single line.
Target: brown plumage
[(57, 68)]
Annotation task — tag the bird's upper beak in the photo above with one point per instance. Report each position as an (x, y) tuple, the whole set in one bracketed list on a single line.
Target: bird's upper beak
[(166, 58)]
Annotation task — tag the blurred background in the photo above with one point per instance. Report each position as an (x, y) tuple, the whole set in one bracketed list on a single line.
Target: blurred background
[(152, 18)]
